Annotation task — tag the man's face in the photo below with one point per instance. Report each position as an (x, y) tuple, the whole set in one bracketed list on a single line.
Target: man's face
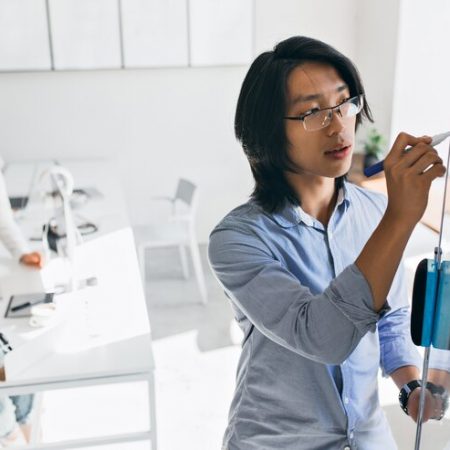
[(313, 86)]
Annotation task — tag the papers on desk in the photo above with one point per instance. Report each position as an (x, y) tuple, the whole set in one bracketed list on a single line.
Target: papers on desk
[(104, 316), (39, 344)]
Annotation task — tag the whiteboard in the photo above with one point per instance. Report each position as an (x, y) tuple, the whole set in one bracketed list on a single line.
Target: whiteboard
[(221, 32), (155, 33), (85, 34), (23, 35)]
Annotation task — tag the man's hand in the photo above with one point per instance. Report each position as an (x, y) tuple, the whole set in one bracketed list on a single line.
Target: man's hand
[(432, 409), (408, 181), (33, 259)]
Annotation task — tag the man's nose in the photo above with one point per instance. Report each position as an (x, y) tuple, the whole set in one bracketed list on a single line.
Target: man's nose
[(336, 122)]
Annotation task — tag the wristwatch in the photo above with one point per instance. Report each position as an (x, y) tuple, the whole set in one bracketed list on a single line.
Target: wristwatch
[(438, 392), (405, 392)]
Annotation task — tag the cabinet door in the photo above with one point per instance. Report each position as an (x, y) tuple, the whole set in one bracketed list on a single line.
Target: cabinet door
[(221, 32), (85, 34), (155, 33), (24, 40)]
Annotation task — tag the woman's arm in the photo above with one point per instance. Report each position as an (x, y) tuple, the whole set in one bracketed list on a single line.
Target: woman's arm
[(10, 234)]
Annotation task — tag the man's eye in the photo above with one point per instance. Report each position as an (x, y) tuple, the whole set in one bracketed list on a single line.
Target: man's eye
[(310, 111)]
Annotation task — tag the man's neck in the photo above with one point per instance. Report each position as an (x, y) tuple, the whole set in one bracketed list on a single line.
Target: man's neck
[(317, 195)]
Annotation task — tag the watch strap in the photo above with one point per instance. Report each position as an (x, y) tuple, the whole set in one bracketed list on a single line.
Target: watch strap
[(405, 392)]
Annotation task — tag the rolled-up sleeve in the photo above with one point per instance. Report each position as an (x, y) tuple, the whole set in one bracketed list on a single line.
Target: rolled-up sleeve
[(325, 328), (396, 346), (440, 359)]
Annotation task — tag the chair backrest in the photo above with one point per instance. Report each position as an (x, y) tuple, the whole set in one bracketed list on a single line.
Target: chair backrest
[(186, 192)]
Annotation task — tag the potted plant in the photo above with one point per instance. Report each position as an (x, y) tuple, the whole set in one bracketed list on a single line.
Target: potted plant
[(374, 146)]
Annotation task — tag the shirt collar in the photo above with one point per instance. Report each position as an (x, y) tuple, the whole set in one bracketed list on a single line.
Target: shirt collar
[(291, 215)]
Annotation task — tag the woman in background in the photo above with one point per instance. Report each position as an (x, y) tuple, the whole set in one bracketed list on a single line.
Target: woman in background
[(10, 234), (14, 410)]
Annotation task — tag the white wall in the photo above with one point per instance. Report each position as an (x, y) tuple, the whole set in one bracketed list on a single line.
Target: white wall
[(331, 21), (376, 53), (163, 123), (422, 86)]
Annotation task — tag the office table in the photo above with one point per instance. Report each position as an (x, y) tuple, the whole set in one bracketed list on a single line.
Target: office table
[(102, 335), (432, 215)]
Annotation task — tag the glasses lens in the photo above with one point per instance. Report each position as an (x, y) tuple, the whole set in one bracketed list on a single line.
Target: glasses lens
[(322, 119), (352, 106), (317, 120)]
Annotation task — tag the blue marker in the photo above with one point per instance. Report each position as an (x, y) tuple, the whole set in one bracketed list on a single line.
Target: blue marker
[(379, 166)]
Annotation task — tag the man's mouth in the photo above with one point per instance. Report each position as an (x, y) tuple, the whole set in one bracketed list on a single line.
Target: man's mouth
[(338, 150)]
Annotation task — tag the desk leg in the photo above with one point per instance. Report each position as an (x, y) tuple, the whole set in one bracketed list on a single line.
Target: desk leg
[(152, 410)]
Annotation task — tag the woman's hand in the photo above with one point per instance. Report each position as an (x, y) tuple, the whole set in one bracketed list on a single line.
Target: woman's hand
[(408, 181), (33, 259)]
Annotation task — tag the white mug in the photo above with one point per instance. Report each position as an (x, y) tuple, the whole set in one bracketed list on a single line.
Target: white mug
[(42, 314)]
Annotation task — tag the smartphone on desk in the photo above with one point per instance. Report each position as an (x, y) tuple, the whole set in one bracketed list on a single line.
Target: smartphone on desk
[(20, 305)]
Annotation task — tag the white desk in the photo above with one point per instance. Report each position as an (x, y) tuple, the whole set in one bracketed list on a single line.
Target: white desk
[(103, 336)]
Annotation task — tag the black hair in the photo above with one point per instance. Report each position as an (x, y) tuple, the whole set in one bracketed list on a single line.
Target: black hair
[(259, 120)]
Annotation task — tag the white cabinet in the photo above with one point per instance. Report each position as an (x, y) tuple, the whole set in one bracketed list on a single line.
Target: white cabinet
[(24, 38), (114, 34)]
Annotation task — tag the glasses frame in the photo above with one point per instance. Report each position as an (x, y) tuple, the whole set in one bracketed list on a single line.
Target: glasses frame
[(330, 110)]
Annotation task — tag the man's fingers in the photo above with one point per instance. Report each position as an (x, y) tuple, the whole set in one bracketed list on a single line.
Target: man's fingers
[(415, 154), (438, 170), (427, 160), (404, 140)]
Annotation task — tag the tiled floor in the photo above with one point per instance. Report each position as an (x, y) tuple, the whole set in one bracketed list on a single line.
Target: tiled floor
[(196, 356)]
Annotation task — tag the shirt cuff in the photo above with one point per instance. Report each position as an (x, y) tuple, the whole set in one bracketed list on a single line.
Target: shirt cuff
[(439, 359), (351, 294)]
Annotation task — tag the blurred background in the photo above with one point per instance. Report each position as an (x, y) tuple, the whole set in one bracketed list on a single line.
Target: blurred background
[(163, 122)]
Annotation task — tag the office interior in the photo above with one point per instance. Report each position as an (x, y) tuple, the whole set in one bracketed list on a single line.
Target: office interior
[(129, 134)]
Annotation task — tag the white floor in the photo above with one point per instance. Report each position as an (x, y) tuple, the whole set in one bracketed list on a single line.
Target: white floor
[(196, 353)]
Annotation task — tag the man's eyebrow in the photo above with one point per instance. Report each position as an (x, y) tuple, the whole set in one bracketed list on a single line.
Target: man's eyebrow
[(308, 98)]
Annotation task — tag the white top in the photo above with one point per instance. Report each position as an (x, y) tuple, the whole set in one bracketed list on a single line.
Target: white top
[(10, 234)]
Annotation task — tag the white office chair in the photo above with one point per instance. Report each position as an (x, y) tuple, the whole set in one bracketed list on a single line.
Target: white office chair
[(178, 231)]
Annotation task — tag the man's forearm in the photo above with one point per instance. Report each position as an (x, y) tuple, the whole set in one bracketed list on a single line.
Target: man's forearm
[(404, 375), (381, 256)]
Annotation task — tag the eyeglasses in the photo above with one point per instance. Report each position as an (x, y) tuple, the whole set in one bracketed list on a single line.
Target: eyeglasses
[(317, 119)]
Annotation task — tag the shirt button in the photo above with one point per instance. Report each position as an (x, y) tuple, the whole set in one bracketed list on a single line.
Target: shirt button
[(346, 400), (347, 447), (351, 434)]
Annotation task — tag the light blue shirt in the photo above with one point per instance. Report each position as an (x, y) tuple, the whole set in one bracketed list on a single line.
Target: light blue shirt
[(313, 345)]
